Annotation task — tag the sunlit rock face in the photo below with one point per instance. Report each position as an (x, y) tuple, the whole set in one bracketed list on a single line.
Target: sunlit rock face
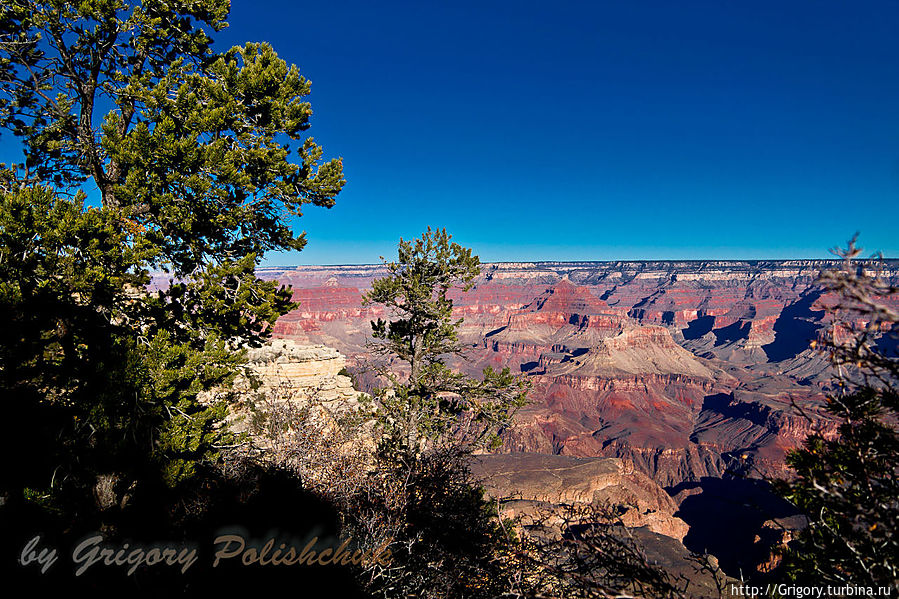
[(284, 362), (528, 481), (682, 369), (284, 375)]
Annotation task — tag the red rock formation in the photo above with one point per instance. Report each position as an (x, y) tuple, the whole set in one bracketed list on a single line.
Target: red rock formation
[(555, 480), (628, 359)]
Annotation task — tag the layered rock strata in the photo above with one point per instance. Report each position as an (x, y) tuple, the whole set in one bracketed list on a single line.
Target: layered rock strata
[(628, 359)]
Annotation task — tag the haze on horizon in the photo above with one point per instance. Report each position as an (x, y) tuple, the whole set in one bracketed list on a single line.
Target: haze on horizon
[(832, 260)]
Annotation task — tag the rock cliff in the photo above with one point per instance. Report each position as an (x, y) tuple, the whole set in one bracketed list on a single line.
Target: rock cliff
[(295, 376), (523, 480), (628, 359)]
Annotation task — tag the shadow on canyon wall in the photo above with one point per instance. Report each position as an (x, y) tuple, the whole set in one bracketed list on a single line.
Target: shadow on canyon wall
[(726, 518), (699, 327), (794, 329)]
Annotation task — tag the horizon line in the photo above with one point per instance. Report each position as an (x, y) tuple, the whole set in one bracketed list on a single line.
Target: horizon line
[(867, 260)]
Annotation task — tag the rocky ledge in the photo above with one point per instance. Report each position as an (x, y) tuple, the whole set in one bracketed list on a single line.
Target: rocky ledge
[(292, 374), (527, 480)]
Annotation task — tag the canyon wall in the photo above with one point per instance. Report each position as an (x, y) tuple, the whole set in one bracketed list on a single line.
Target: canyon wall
[(683, 370)]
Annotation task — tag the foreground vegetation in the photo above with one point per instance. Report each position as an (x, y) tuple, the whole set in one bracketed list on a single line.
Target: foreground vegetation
[(144, 150)]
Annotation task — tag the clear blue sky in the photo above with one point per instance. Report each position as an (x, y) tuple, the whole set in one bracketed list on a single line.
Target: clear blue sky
[(597, 130)]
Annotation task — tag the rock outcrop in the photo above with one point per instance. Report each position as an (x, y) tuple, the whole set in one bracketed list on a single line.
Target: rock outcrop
[(299, 376), (316, 368), (524, 481)]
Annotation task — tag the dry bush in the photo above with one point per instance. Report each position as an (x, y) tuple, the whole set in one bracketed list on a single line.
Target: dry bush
[(584, 551)]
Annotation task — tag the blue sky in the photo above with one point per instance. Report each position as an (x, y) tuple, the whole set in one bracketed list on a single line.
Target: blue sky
[(597, 130)]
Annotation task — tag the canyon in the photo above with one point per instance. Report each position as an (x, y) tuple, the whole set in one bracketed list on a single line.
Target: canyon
[(686, 369), (700, 375)]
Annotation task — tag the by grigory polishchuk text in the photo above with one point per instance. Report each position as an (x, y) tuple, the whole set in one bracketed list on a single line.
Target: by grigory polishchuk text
[(95, 552)]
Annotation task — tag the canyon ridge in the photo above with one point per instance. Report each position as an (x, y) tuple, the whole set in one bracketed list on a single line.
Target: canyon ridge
[(700, 375)]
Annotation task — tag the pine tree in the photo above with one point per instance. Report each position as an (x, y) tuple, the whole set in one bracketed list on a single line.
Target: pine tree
[(446, 536), (198, 159), (429, 402)]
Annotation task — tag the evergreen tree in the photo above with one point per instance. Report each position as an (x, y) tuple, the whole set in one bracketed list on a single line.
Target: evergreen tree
[(426, 401), (446, 537), (199, 159)]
